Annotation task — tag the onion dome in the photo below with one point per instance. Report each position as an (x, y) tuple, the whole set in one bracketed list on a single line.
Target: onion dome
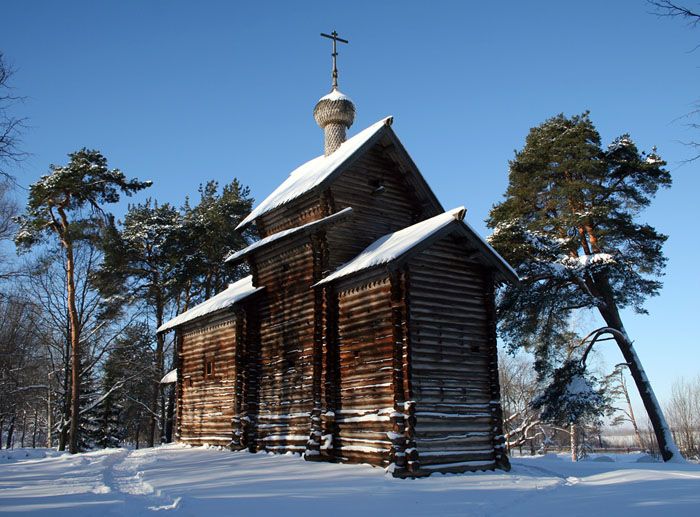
[(334, 113)]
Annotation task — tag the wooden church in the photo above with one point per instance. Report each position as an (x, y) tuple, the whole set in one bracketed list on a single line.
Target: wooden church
[(366, 331)]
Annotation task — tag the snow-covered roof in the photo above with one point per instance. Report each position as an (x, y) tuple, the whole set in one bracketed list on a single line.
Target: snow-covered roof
[(312, 173), (169, 377), (392, 246), (288, 233), (335, 95), (234, 293)]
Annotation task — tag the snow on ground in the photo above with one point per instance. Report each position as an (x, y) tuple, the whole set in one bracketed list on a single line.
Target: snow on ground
[(185, 481)]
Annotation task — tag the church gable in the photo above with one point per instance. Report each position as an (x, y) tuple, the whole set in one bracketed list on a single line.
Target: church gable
[(309, 179), (385, 197), (371, 172)]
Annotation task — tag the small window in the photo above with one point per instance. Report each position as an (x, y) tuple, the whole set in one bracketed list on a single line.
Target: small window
[(209, 368), (377, 186)]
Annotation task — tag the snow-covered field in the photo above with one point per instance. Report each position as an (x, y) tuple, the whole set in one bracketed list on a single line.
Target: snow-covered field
[(211, 482)]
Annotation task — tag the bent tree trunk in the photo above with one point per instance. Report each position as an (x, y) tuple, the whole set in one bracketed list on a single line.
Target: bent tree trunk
[(667, 446)]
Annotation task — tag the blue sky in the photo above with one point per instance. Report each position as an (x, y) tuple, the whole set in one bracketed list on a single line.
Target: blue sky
[(182, 92)]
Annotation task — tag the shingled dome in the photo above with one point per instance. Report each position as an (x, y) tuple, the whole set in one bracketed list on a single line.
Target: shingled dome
[(334, 113)]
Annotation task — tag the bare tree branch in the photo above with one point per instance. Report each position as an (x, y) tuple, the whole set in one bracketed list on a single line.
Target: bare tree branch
[(666, 8), (11, 127)]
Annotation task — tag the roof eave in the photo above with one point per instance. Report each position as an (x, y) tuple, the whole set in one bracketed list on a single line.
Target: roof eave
[(401, 259), (232, 308), (305, 230)]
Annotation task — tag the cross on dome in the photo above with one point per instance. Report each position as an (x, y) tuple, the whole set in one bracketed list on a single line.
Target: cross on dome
[(334, 36)]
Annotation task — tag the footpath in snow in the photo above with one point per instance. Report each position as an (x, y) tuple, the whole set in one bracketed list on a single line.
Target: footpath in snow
[(183, 481)]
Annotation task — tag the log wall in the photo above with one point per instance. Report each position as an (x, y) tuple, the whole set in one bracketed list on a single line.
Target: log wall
[(284, 367), (206, 404), (309, 207), (365, 346), (451, 359)]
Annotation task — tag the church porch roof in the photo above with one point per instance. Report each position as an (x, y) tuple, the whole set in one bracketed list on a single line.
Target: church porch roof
[(233, 294), (291, 232), (415, 238)]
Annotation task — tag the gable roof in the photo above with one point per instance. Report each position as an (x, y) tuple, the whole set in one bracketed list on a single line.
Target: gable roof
[(415, 238), (233, 294), (316, 173), (291, 232)]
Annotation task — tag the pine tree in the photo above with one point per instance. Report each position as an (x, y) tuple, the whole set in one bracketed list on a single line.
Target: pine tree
[(209, 234), (130, 367), (140, 262), (67, 205), (89, 423), (569, 225), (172, 259), (573, 398)]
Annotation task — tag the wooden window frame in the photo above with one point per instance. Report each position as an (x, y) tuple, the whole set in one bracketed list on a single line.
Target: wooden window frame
[(209, 368)]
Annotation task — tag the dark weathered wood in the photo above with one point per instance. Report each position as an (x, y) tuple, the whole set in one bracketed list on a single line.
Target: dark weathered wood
[(452, 353), (398, 417), (286, 349), (320, 260), (494, 384), (207, 402), (365, 386), (331, 373), (373, 215), (240, 410), (178, 387)]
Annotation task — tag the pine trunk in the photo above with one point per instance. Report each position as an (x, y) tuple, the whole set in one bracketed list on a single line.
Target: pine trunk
[(157, 402), (24, 428), (75, 348), (573, 434), (35, 428), (63, 435), (10, 433)]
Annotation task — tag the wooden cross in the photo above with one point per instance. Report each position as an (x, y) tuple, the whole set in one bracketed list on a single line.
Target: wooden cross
[(334, 36)]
